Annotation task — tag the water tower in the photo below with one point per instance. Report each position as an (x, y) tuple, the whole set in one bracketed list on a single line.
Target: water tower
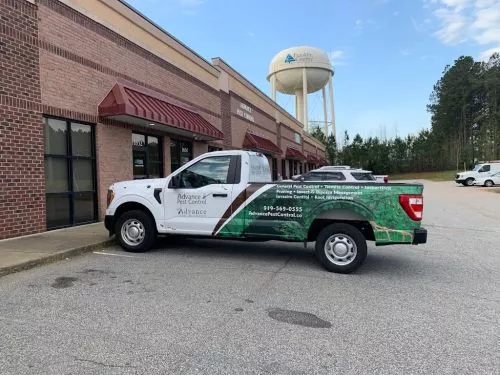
[(300, 71)]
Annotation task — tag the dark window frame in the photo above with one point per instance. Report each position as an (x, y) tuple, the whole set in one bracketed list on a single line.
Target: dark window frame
[(71, 194), (145, 150)]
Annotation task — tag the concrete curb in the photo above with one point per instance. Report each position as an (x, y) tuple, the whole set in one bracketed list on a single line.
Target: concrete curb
[(51, 258)]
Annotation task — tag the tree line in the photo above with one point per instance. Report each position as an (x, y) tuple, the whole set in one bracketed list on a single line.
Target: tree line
[(464, 130)]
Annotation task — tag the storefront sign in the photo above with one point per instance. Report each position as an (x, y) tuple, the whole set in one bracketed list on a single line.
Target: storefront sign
[(245, 111)]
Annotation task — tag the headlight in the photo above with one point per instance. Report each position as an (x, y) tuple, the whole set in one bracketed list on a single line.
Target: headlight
[(110, 197)]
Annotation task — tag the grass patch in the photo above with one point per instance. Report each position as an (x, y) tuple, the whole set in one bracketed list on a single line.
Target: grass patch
[(432, 176)]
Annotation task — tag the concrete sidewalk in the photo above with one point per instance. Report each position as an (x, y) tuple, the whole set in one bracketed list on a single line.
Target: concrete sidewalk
[(21, 253)]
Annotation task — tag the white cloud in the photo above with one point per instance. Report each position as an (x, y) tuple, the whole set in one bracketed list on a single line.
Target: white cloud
[(396, 13), (475, 21), (485, 55), (406, 52), (359, 24), (251, 34), (337, 57)]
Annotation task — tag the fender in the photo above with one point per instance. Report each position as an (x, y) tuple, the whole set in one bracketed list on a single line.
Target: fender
[(156, 209)]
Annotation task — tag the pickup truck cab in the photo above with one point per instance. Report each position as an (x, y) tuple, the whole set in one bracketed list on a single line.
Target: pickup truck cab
[(230, 194)]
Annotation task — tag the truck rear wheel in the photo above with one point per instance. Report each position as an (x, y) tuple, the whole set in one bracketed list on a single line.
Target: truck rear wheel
[(135, 231), (341, 248)]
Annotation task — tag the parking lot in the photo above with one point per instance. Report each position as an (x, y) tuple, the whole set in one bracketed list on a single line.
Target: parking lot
[(225, 307)]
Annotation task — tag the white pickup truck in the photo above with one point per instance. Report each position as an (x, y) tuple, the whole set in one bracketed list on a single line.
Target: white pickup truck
[(230, 194)]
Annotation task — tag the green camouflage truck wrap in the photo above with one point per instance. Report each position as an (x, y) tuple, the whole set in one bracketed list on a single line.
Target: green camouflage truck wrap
[(287, 210)]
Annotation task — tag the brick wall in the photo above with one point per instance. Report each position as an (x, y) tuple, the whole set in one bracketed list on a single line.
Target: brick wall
[(226, 119), (91, 57), (114, 159), (22, 180)]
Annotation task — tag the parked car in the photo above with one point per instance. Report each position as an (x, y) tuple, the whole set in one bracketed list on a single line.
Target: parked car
[(379, 178), (339, 175), (488, 181), (229, 194), (481, 170)]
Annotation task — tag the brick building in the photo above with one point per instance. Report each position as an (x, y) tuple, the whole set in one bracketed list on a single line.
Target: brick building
[(92, 92)]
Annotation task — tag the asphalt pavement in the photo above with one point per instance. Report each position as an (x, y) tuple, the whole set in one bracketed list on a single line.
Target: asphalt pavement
[(225, 307)]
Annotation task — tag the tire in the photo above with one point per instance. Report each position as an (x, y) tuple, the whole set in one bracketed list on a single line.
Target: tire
[(469, 182), (135, 231), (488, 183), (348, 254)]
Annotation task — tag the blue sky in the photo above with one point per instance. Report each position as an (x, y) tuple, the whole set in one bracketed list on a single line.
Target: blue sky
[(387, 53)]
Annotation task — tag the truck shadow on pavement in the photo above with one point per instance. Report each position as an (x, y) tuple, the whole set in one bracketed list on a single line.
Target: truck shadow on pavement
[(379, 262)]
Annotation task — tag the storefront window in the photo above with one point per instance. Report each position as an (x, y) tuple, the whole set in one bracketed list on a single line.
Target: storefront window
[(70, 177), (181, 152), (147, 156)]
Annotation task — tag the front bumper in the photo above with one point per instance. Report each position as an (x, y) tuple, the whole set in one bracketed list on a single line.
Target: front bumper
[(419, 236), (109, 224)]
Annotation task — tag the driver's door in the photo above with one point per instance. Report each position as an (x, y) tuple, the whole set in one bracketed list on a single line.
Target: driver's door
[(203, 196)]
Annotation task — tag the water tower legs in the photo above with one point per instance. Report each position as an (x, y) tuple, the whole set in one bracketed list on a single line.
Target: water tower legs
[(299, 105), (304, 93), (332, 110), (273, 87), (325, 112)]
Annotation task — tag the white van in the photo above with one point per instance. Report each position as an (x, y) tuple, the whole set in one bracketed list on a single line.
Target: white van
[(480, 170)]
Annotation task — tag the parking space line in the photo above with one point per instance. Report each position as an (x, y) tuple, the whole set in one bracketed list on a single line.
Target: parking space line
[(115, 255)]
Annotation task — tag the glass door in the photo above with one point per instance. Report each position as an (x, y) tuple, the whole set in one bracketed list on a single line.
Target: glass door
[(70, 182)]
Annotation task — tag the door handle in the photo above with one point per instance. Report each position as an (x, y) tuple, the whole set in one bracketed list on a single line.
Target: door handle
[(216, 195)]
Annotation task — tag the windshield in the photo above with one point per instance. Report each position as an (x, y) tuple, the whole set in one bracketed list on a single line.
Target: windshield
[(477, 167)]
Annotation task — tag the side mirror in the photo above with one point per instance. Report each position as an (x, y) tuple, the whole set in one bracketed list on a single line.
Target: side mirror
[(302, 179), (175, 182)]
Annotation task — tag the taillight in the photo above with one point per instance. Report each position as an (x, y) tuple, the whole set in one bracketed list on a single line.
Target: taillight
[(386, 179), (413, 206), (110, 197)]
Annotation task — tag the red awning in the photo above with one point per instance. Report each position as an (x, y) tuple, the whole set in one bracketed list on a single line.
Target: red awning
[(255, 142), (312, 159), (293, 153), (137, 105)]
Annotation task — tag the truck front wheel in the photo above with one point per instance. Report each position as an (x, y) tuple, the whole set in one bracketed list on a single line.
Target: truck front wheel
[(341, 248), (135, 231)]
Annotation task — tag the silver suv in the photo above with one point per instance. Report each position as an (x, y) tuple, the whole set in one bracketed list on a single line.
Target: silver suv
[(337, 175)]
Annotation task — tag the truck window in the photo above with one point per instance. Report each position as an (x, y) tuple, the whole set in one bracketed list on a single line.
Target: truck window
[(313, 176), (334, 176), (363, 176), (259, 169), (485, 168), (209, 171)]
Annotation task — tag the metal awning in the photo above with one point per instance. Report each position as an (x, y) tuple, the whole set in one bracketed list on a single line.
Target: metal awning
[(139, 106), (293, 153), (255, 142), (312, 159)]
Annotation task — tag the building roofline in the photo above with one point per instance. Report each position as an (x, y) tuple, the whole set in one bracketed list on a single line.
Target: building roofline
[(188, 52)]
